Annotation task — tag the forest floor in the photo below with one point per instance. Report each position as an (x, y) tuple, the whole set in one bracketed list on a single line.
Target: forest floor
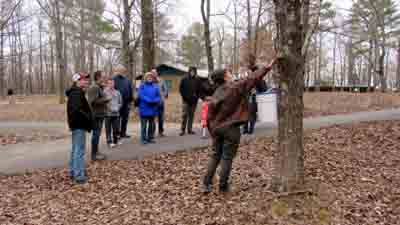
[(46, 109), (352, 171)]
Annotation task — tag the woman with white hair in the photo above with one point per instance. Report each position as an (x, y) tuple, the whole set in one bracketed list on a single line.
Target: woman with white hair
[(149, 101)]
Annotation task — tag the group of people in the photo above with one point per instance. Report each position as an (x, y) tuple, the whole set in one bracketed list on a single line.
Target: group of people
[(225, 110), (108, 102)]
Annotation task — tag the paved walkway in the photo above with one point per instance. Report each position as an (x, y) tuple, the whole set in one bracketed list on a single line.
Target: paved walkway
[(27, 157)]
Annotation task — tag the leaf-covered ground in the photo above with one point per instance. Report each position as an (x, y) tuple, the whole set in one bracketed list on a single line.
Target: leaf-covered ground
[(354, 172), (45, 108)]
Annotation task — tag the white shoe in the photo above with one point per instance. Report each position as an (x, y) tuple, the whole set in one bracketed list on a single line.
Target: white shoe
[(112, 145)]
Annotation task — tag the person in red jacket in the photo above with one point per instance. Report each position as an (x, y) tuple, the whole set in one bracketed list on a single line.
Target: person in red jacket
[(227, 111), (204, 113)]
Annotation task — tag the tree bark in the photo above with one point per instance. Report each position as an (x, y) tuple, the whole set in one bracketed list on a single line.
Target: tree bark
[(52, 75), (2, 72), (289, 162), (207, 36), (41, 58), (59, 52), (398, 66), (334, 62), (148, 35)]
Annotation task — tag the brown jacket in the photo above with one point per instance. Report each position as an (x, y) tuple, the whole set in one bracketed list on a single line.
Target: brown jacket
[(229, 104)]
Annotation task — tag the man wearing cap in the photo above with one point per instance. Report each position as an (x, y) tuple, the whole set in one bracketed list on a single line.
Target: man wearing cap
[(79, 121), (124, 86), (188, 89), (98, 101)]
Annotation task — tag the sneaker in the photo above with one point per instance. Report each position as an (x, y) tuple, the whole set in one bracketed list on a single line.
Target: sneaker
[(161, 135), (119, 142), (144, 142), (182, 134), (191, 133), (151, 142), (112, 145), (81, 180)]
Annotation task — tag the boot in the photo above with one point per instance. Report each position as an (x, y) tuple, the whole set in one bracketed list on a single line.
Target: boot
[(226, 167), (212, 167)]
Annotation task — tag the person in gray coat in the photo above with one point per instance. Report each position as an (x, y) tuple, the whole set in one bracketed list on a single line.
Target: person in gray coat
[(112, 116)]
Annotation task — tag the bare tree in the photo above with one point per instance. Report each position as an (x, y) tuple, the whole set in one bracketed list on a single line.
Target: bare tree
[(56, 11), (148, 44), (207, 36)]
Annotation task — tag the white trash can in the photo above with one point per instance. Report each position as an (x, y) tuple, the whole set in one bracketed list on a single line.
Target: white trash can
[(267, 107)]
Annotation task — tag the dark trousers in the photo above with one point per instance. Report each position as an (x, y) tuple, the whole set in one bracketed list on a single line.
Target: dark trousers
[(147, 129), (124, 118), (112, 129), (160, 117), (225, 145), (251, 123), (248, 127), (98, 126), (187, 117)]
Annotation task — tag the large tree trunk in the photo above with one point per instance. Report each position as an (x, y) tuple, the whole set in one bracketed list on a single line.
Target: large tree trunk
[(398, 67), (289, 162), (52, 75), (126, 36), (148, 35), (370, 65), (2, 72), (350, 72), (381, 71), (319, 62), (60, 52), (249, 23), (207, 38), (41, 59), (82, 37), (334, 62)]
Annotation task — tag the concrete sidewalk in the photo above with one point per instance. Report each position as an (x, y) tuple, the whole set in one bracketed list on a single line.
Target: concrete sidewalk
[(22, 158)]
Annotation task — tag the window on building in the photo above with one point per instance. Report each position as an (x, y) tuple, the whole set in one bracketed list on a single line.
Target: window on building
[(168, 83)]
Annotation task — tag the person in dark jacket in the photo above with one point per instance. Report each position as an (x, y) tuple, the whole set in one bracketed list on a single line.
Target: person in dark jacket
[(98, 100), (188, 89), (79, 121), (124, 86), (149, 101), (228, 110)]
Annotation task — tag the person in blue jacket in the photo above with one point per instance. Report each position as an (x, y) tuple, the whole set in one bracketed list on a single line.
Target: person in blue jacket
[(149, 98)]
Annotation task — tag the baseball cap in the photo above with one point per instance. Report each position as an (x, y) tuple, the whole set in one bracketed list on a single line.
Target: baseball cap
[(78, 76)]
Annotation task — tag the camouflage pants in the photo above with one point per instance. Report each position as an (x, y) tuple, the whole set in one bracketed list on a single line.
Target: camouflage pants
[(225, 146)]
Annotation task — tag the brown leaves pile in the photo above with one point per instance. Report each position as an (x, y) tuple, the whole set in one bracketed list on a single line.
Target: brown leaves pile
[(356, 170)]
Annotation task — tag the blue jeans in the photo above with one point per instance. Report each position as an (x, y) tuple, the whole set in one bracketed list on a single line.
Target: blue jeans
[(98, 125), (77, 160), (146, 128)]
